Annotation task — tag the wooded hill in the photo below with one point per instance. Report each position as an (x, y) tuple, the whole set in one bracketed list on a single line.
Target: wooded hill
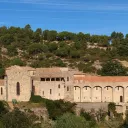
[(49, 48)]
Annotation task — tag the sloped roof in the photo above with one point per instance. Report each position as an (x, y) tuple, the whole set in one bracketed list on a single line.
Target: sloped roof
[(101, 78), (48, 72), (20, 68)]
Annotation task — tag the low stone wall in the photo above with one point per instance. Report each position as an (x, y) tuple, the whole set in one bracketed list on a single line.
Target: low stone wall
[(95, 106)]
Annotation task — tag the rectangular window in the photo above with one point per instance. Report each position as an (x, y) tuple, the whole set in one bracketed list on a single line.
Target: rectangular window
[(50, 91), (42, 79), (67, 88), (59, 86), (47, 79), (67, 78), (52, 79), (57, 79), (43, 93)]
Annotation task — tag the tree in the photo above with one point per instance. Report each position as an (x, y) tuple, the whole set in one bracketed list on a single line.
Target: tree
[(62, 52), (35, 49), (71, 121), (17, 61), (122, 48), (18, 119), (52, 47), (2, 72), (37, 35), (12, 51), (112, 107), (113, 68), (51, 35)]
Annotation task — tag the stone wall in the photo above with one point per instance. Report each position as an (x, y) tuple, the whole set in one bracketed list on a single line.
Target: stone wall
[(101, 92), (21, 77)]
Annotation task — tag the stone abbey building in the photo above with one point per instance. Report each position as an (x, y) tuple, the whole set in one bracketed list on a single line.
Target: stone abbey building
[(62, 83)]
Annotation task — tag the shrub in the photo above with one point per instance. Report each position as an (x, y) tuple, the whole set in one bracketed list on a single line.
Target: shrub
[(70, 121), (55, 108)]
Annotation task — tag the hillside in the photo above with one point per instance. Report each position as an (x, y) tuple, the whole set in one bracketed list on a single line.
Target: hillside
[(48, 48)]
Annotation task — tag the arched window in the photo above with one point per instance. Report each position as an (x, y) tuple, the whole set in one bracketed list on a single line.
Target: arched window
[(1, 91), (67, 88), (18, 88)]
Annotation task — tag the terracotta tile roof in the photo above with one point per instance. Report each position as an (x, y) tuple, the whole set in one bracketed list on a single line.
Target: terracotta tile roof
[(1, 82), (101, 78)]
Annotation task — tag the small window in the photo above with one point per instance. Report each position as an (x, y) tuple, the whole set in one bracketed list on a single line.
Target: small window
[(43, 93), (18, 88), (59, 94), (59, 86), (53, 79), (50, 91), (1, 91), (86, 88), (62, 79), (57, 79), (96, 88), (107, 88), (118, 88), (67, 88), (67, 78), (47, 79), (42, 79)]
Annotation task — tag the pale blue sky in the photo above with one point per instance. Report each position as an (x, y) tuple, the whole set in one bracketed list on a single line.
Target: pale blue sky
[(88, 16)]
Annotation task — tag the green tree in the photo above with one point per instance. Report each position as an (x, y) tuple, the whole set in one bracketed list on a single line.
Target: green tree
[(52, 47), (17, 61), (35, 49), (113, 68), (52, 35), (70, 121), (18, 119), (122, 48), (12, 51)]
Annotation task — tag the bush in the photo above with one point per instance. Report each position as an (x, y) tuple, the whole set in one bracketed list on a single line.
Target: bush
[(55, 108), (113, 68), (71, 121), (17, 61), (18, 119)]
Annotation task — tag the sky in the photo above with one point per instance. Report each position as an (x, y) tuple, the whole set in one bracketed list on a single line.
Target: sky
[(87, 16)]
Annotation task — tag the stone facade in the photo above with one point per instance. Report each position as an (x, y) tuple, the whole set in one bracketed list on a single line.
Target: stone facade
[(62, 83)]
